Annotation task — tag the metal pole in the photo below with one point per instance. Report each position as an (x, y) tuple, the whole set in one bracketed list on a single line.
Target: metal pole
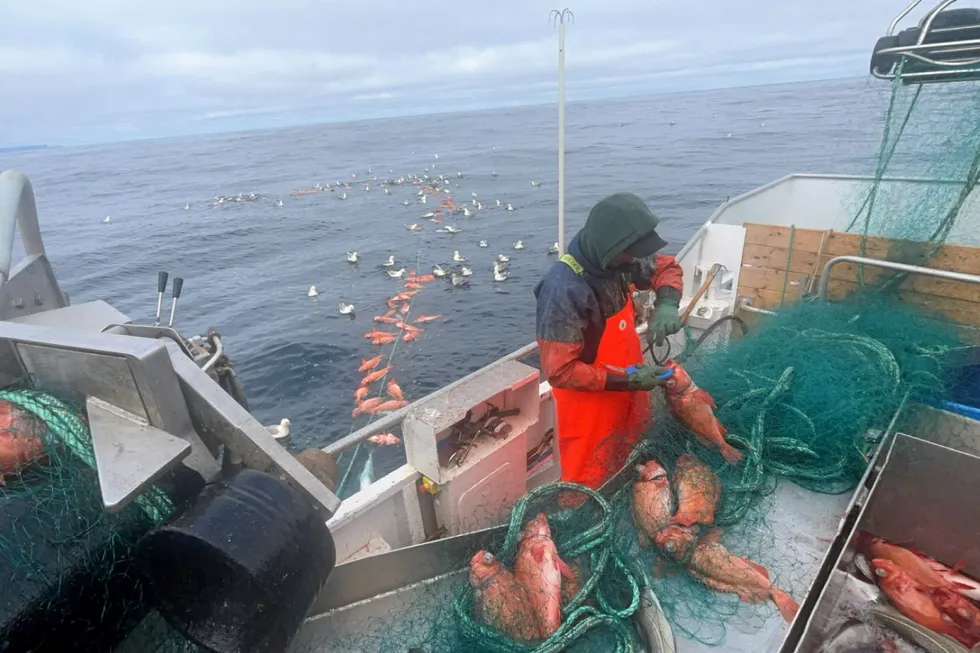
[(890, 265), (561, 134)]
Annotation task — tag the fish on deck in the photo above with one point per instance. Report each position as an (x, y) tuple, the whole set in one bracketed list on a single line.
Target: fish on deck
[(698, 490), (502, 602), (653, 501)]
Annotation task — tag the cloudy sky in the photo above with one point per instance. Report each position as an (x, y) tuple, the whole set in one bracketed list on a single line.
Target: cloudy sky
[(97, 70)]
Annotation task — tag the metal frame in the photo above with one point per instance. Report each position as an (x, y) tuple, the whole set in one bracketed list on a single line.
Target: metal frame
[(950, 60), (890, 265)]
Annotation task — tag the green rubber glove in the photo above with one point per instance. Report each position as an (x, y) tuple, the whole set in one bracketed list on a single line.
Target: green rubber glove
[(666, 321), (645, 378)]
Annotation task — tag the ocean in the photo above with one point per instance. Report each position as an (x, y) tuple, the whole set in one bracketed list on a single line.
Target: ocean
[(247, 266)]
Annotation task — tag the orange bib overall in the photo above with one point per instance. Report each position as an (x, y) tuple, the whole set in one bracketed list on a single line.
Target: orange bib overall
[(597, 430)]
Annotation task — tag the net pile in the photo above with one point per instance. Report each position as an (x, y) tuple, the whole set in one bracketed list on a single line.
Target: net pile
[(67, 564)]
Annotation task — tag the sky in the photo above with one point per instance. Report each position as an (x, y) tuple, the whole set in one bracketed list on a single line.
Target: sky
[(104, 70)]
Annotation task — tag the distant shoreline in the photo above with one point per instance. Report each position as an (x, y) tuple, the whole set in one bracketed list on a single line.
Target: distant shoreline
[(23, 148)]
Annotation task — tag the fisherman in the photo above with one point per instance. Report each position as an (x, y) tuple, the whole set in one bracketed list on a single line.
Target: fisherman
[(586, 331)]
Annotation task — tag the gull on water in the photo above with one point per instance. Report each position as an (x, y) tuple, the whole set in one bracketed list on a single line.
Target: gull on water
[(484, 243), (493, 174), (396, 274), (312, 292), (465, 271), (390, 263), (510, 208), (187, 207), (553, 249), (460, 281), (467, 212), (405, 203), (498, 202), (519, 244), (498, 273), (279, 431), (342, 196), (107, 220), (479, 206), (413, 227), (430, 214), (346, 309), (352, 257), (452, 229), (502, 258), (459, 258), (279, 203), (387, 192), (422, 199), (535, 184), (438, 271)]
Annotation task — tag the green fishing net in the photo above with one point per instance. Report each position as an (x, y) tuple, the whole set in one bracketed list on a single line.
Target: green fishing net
[(66, 562)]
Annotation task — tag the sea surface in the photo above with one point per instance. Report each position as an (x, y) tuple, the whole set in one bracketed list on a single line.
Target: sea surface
[(247, 266)]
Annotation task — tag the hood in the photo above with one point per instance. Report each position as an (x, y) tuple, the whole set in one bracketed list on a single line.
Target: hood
[(615, 224)]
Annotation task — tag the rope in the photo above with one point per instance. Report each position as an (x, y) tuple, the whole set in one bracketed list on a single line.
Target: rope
[(67, 428), (789, 261), (579, 619)]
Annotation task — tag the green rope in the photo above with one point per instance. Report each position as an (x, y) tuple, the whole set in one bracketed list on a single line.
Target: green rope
[(67, 428), (789, 260), (579, 619)]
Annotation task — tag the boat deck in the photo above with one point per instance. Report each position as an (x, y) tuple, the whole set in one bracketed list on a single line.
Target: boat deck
[(395, 601)]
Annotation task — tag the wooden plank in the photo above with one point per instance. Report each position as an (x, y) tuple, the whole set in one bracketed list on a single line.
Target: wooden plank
[(773, 280), (775, 258), (956, 311), (804, 240)]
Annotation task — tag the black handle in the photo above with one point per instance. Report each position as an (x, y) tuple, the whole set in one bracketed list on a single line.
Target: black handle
[(162, 282), (178, 284)]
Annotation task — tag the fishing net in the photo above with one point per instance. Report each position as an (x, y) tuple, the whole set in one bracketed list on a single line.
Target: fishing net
[(67, 563)]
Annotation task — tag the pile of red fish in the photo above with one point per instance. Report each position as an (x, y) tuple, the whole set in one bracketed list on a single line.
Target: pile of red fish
[(397, 316), (687, 535), (20, 440), (926, 591), (525, 604)]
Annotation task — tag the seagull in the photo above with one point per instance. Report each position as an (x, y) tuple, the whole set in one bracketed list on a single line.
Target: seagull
[(437, 156), (510, 208), (352, 257), (519, 244), (438, 271), (422, 200), (459, 258), (466, 212), (473, 202), (187, 207), (502, 258), (498, 274), (278, 203), (498, 202), (459, 175), (390, 263), (312, 292), (452, 229), (479, 206), (346, 309), (413, 227), (342, 196), (396, 274), (493, 174), (483, 243), (473, 194), (107, 220), (405, 203), (465, 271), (430, 214), (459, 281), (387, 192), (535, 184), (553, 249), (280, 431)]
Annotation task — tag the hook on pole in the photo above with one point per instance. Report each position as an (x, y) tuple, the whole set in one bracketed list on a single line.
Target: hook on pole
[(564, 16)]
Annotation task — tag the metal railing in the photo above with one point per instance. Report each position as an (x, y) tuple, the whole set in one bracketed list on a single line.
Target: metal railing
[(18, 211), (890, 265)]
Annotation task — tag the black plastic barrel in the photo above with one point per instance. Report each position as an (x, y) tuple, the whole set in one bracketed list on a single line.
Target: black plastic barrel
[(239, 571)]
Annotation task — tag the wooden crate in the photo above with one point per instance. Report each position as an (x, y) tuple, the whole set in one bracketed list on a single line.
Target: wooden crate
[(771, 263)]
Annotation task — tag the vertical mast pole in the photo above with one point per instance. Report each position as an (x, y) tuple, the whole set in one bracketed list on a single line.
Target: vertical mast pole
[(560, 18)]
